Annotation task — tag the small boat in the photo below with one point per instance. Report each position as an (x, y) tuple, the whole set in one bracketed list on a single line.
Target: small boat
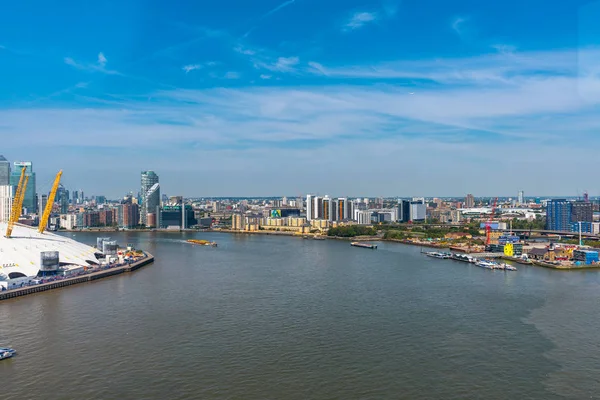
[(318, 238), (436, 254), (509, 267), (485, 264), (202, 242), (6, 352), (463, 257), (364, 245)]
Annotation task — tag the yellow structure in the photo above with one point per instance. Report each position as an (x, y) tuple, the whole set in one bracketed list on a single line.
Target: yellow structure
[(49, 204), (15, 213), (321, 224), (509, 249), (296, 221)]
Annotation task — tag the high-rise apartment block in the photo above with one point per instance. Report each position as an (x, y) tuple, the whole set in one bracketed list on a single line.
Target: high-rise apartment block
[(558, 215), (469, 201), (6, 200), (4, 171)]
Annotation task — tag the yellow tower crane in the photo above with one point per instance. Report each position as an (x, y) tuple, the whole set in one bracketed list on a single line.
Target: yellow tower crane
[(49, 204), (17, 206)]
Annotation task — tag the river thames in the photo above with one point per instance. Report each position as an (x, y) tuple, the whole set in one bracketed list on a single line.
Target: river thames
[(268, 317)]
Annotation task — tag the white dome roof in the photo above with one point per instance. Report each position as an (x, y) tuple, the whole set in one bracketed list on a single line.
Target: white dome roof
[(21, 252)]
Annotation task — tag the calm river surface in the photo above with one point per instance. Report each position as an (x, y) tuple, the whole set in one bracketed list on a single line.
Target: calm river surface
[(265, 317)]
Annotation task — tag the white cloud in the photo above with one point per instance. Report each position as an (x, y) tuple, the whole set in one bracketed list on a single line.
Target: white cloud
[(283, 64), (457, 24), (265, 76), (245, 51), (191, 67), (99, 66), (359, 19), (528, 106), (101, 59), (232, 75)]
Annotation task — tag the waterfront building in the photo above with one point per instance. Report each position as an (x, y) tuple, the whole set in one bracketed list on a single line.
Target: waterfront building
[(296, 221), (68, 221), (4, 171), (363, 217), (328, 208), (469, 201), (152, 202), (237, 221), (403, 210), (582, 211), (148, 180), (309, 207), (6, 200), (317, 207), (418, 210), (30, 200), (342, 209), (558, 215), (128, 215), (176, 217)]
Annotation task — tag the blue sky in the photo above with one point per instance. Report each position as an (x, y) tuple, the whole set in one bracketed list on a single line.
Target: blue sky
[(355, 98)]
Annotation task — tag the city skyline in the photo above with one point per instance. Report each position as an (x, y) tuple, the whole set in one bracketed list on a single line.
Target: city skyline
[(454, 98)]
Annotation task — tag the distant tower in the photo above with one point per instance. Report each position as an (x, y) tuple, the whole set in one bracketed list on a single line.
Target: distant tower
[(4, 171), (469, 201), (586, 197), (149, 179), (521, 197)]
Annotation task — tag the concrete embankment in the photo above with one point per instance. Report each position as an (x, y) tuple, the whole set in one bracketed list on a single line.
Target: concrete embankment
[(9, 294)]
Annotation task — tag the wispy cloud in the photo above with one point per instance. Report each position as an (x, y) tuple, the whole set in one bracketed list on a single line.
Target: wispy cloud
[(283, 64), (360, 19), (99, 66), (232, 75), (279, 7), (191, 67), (245, 51), (267, 14), (265, 76), (457, 24), (101, 59)]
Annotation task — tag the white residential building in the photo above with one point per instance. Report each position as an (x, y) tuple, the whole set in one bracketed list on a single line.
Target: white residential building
[(6, 200)]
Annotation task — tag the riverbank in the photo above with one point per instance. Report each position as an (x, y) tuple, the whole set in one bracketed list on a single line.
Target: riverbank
[(9, 294)]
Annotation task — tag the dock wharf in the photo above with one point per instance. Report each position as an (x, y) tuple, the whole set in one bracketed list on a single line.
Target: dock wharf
[(9, 294)]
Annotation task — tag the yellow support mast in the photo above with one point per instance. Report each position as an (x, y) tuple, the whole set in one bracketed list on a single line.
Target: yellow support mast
[(17, 206), (50, 204)]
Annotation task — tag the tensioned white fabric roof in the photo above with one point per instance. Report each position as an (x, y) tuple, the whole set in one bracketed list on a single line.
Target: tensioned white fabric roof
[(21, 252)]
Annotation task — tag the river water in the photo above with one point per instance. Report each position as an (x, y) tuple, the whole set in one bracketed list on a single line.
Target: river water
[(266, 317)]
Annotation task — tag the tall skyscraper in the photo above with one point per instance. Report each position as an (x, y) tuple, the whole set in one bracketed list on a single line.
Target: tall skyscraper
[(418, 210), (327, 208), (309, 207), (558, 215), (403, 210), (6, 199), (317, 207), (469, 201), (342, 209), (521, 197), (152, 204), (4, 171), (42, 200), (30, 200), (149, 179)]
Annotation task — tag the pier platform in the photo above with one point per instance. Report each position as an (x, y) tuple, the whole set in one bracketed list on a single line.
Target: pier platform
[(9, 294)]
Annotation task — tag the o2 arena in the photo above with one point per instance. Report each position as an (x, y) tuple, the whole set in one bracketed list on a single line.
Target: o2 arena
[(29, 253)]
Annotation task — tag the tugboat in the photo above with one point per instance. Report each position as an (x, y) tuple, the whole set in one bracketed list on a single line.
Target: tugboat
[(202, 242), (6, 352)]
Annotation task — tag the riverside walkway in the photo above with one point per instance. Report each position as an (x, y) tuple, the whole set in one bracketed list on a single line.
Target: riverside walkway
[(9, 294)]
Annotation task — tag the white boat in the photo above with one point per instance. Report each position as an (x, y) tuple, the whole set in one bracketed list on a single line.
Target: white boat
[(435, 254), (6, 352), (485, 264), (509, 267)]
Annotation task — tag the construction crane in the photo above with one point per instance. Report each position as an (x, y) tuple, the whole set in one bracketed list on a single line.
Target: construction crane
[(49, 204), (488, 225), (17, 206)]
